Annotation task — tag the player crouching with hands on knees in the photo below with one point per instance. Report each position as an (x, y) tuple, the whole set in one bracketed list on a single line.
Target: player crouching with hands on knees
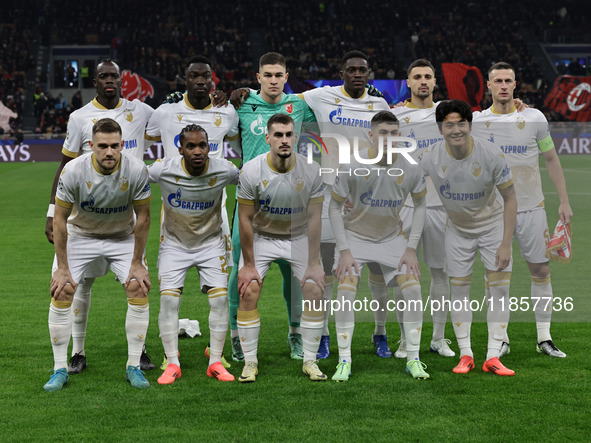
[(97, 196), (280, 203), (372, 232)]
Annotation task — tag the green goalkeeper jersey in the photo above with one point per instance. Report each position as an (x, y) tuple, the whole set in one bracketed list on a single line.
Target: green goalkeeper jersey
[(254, 114)]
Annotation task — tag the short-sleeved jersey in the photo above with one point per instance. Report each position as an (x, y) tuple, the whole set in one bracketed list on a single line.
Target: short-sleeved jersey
[(378, 197), (192, 204), (255, 113), (280, 199), (102, 205), (132, 116), (420, 125), (467, 187), (521, 136), (169, 119), (337, 112)]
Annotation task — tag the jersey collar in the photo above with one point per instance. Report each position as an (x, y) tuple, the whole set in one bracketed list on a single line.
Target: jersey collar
[(273, 167), (190, 106), (494, 111), (408, 104), (470, 149), (96, 166), (96, 103), (189, 174), (346, 94)]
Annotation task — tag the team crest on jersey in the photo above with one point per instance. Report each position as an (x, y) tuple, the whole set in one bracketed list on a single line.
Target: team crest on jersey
[(217, 119), (123, 184), (129, 117), (299, 184), (265, 182), (487, 124), (400, 178), (370, 106), (476, 169), (94, 120), (89, 184), (520, 122), (337, 100), (180, 117), (406, 120), (288, 108), (212, 181)]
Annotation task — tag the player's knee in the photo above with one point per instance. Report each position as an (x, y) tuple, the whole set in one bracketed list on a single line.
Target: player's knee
[(134, 290), (66, 295), (311, 291)]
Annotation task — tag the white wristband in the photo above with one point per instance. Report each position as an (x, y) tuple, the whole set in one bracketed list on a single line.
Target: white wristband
[(51, 210)]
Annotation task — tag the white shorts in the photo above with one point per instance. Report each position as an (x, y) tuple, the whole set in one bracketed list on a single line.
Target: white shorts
[(266, 250), (87, 255), (461, 251), (433, 237), (532, 235), (387, 254), (209, 259), (98, 268)]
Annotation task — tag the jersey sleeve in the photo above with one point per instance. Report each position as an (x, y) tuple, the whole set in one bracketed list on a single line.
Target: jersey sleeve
[(340, 188), (419, 190), (65, 194), (153, 128), (245, 189), (234, 130), (543, 137), (142, 192), (73, 141), (155, 170), (232, 173), (317, 193), (501, 173)]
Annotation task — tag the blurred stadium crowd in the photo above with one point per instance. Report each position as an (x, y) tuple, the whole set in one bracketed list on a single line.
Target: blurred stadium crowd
[(154, 38)]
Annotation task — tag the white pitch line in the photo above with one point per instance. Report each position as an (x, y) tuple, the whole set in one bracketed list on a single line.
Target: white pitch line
[(570, 193), (570, 170)]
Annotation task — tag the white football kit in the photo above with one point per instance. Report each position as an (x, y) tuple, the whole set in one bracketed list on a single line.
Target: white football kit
[(373, 227), (191, 232), (102, 220), (132, 116), (468, 192), (281, 203), (521, 137)]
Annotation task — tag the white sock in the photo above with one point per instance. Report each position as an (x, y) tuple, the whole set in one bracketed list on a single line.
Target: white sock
[(439, 292), (218, 322), (542, 298), (80, 308), (295, 329), (60, 328), (311, 323), (168, 323), (234, 333), (249, 327), (379, 292), (413, 315), (399, 314), (462, 318), (497, 318), (328, 289), (345, 317), (136, 327)]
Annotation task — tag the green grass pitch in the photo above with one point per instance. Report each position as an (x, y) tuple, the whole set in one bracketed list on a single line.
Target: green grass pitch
[(548, 399)]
